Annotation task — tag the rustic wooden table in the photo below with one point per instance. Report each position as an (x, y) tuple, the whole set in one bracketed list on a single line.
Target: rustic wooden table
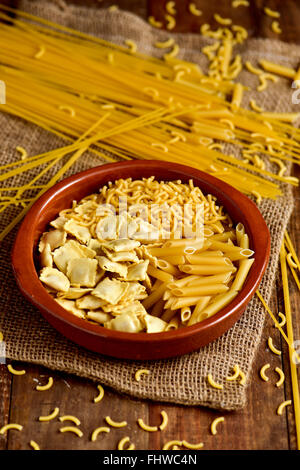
[(257, 426)]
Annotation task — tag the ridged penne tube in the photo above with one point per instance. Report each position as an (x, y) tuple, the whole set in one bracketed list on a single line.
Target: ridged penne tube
[(173, 324), (185, 302), (171, 247), (206, 269), (244, 241), (158, 308), (217, 305), (225, 247), (158, 274), (199, 259), (244, 254), (168, 267), (201, 304), (239, 231), (206, 280), (185, 314), (223, 237), (241, 274), (211, 289), (175, 259), (154, 296), (168, 315), (182, 282)]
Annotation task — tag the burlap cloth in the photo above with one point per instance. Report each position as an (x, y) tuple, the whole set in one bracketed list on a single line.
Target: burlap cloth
[(28, 337)]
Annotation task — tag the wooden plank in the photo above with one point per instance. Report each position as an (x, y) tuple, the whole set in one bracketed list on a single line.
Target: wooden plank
[(5, 391)]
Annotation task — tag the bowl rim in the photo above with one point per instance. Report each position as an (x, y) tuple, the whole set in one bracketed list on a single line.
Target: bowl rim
[(31, 287)]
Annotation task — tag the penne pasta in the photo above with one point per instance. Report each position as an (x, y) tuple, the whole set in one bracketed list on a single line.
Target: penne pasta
[(241, 274), (201, 304), (217, 305), (158, 274), (211, 289), (206, 269), (215, 260)]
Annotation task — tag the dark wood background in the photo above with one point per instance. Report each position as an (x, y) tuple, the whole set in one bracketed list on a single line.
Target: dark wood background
[(257, 426)]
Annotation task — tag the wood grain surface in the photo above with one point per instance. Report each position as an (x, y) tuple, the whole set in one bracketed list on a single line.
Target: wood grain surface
[(257, 426)]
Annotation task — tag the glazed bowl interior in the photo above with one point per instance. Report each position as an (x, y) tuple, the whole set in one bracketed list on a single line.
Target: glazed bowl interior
[(135, 345)]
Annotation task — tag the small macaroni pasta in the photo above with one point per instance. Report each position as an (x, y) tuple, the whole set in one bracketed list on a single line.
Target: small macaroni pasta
[(213, 426), (47, 386), (214, 384)]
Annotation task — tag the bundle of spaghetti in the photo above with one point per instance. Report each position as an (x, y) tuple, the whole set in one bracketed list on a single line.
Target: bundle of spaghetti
[(158, 107)]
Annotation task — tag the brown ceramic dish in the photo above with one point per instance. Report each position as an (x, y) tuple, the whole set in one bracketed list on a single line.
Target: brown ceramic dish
[(135, 345)]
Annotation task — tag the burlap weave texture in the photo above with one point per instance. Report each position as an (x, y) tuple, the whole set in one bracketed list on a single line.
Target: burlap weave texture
[(179, 380)]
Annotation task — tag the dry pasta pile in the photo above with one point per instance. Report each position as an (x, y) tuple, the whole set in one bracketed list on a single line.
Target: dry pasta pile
[(113, 266), (146, 108)]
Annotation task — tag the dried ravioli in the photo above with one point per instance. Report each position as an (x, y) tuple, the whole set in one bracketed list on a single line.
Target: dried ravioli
[(125, 322), (80, 232), (138, 271), (121, 256), (122, 244), (71, 307), (153, 324), (74, 293), (55, 279), (82, 271), (133, 307), (46, 258), (112, 266), (59, 222), (90, 302), (70, 250), (110, 290), (54, 238), (98, 316)]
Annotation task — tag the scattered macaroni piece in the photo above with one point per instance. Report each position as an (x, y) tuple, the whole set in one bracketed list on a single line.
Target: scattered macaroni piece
[(171, 22), (240, 3), (165, 420), (194, 10), (141, 372), (218, 18), (173, 53), (42, 388), (72, 418), (290, 261), (282, 406), (50, 416), (40, 52), (188, 445), (160, 146), (283, 320), (276, 27), (1, 336), (98, 431), (170, 8), (113, 8), (68, 109), (253, 69), (7, 427), (115, 424), (172, 443), (272, 347), (236, 374), (213, 383), (262, 372), (146, 427), (100, 395), (22, 151), (154, 22), (272, 13), (34, 445), (257, 196), (124, 441), (213, 426), (72, 429), (242, 378), (165, 44), (281, 376), (255, 106), (131, 44), (14, 371)]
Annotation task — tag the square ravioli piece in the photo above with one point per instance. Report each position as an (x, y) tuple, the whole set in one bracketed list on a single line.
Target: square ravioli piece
[(78, 231), (55, 279), (122, 244), (112, 266), (71, 250), (138, 271), (110, 290), (82, 271)]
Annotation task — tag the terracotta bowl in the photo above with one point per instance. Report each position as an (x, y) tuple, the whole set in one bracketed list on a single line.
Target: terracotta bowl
[(135, 345)]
